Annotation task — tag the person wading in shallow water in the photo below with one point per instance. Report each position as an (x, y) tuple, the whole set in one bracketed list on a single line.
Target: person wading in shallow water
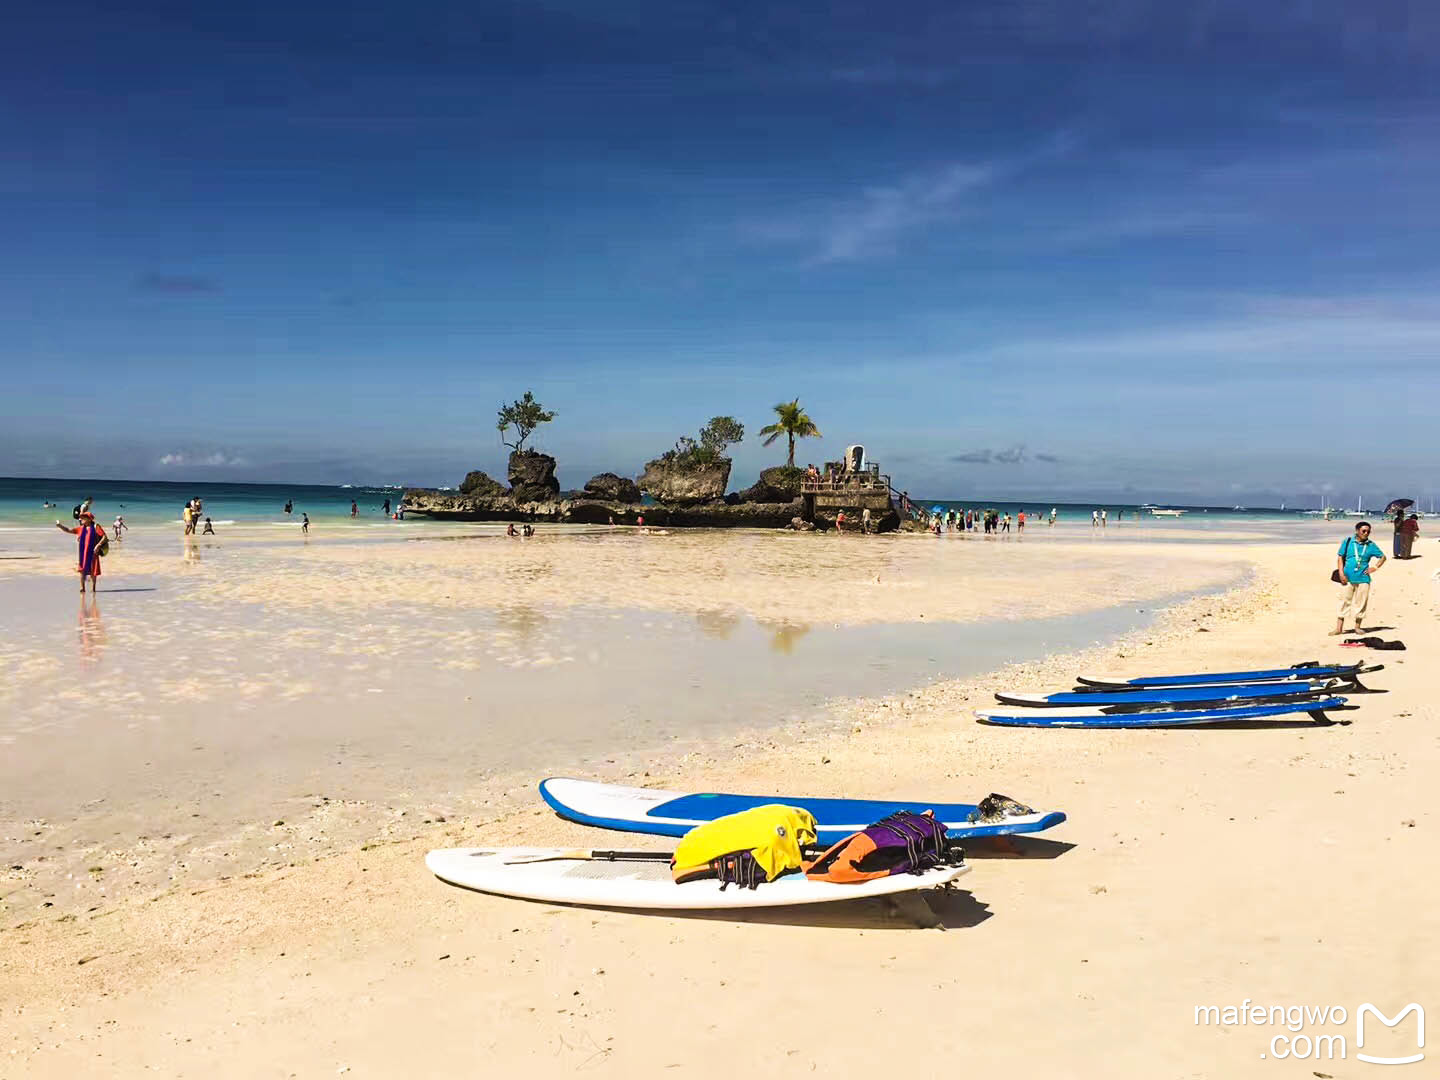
[(90, 536)]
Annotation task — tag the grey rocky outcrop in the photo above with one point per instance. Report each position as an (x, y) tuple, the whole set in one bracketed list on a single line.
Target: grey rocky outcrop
[(611, 488), (532, 477), (479, 483), (687, 494), (780, 483), (718, 515), (681, 483)]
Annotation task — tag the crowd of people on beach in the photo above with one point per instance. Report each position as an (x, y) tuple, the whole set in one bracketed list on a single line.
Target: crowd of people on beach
[(988, 522)]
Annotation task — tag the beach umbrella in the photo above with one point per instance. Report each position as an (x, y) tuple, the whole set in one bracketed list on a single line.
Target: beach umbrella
[(1398, 504)]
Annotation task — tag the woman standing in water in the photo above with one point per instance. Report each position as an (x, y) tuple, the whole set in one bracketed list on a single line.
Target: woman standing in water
[(90, 537)]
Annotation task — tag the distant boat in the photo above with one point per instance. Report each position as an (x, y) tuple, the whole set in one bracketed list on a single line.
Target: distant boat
[(1244, 508), (1359, 510), (1157, 511)]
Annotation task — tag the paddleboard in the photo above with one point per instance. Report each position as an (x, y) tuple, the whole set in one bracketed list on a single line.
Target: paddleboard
[(1179, 695), (647, 884), (1085, 718), (1298, 672), (673, 813)]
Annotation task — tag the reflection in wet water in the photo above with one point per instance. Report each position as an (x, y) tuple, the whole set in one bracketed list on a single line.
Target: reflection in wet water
[(92, 631), (785, 636), (527, 574), (524, 622), (717, 624)]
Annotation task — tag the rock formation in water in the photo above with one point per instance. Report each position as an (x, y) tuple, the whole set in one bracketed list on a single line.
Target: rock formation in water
[(480, 484), (532, 477), (611, 488), (686, 493), (778, 484), (679, 482)]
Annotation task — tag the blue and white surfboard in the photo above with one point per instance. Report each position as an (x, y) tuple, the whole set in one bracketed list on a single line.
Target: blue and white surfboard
[(1300, 672), (1178, 695), (671, 813), (1154, 718)]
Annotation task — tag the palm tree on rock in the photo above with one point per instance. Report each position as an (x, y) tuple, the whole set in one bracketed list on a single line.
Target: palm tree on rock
[(792, 421)]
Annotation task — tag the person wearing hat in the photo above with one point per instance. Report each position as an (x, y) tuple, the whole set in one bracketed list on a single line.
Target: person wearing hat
[(90, 536)]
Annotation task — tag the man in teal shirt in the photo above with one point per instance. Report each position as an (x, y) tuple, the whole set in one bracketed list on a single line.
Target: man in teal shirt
[(1352, 562)]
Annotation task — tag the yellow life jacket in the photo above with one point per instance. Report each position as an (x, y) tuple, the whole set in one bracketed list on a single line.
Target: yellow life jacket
[(773, 835)]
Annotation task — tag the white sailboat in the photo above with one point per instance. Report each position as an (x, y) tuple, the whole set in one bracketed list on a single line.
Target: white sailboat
[(1359, 510)]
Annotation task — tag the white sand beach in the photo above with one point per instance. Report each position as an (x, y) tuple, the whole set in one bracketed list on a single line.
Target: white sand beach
[(1287, 865)]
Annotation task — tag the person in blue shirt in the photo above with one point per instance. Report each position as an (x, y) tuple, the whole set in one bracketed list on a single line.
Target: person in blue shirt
[(1352, 562)]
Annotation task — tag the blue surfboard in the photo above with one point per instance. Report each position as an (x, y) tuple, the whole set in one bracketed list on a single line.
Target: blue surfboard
[(670, 813), (1078, 718), (1300, 672), (1178, 695)]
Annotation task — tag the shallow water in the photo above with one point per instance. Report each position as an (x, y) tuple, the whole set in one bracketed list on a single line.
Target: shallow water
[(213, 688)]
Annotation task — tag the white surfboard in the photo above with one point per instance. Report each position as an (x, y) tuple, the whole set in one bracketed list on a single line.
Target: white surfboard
[(647, 884)]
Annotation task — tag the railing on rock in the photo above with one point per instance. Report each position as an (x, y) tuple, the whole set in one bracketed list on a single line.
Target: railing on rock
[(864, 482)]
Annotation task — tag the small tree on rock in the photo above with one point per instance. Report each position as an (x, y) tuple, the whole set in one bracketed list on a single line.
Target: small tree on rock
[(524, 416), (720, 432), (715, 436)]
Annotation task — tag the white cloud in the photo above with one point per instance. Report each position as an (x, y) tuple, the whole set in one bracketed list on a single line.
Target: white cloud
[(874, 223), (214, 459)]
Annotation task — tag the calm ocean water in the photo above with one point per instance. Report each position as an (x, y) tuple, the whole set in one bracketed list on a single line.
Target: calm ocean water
[(148, 502), (22, 502)]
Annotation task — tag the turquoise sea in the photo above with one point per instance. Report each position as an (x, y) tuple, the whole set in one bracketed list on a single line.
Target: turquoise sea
[(147, 502), (150, 502)]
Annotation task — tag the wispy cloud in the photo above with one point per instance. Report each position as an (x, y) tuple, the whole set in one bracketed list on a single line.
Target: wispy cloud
[(1264, 331), (1013, 455), (878, 219), (175, 284), (875, 223), (214, 459), (1142, 226)]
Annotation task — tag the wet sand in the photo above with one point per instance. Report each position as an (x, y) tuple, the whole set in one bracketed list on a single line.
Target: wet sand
[(223, 706), (1198, 867)]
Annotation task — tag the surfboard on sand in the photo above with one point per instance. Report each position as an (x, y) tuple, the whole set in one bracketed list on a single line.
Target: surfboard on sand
[(645, 883), (1153, 718), (1300, 672), (1180, 695), (673, 813)]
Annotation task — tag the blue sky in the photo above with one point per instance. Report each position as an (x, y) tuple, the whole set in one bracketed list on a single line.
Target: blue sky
[(1033, 248)]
